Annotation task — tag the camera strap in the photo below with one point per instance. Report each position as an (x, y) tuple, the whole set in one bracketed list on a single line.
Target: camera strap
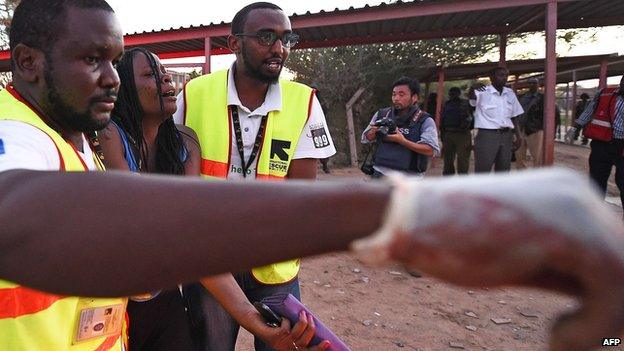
[(239, 139)]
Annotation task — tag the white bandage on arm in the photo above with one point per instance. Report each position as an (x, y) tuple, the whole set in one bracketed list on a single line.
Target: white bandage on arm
[(449, 219), (399, 216)]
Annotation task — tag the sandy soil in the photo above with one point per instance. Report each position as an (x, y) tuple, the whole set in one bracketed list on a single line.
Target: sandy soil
[(388, 309)]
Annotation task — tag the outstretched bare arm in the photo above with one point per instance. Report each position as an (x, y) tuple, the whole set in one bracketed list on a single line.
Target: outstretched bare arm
[(115, 234)]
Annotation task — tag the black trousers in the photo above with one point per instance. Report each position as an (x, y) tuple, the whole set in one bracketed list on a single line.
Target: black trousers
[(603, 156), (160, 324)]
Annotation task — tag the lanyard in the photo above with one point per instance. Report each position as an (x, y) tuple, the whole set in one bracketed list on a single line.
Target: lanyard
[(239, 139), (96, 149), (96, 158)]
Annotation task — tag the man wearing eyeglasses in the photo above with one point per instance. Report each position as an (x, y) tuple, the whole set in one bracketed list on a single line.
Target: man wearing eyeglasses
[(252, 125)]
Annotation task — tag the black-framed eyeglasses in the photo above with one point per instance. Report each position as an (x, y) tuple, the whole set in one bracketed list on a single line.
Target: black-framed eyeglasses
[(267, 38)]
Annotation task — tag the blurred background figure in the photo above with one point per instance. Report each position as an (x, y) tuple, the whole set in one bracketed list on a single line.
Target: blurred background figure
[(580, 107), (455, 127)]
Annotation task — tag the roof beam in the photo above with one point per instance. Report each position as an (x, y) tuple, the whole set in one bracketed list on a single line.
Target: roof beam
[(177, 35), (389, 38), (191, 53), (419, 10)]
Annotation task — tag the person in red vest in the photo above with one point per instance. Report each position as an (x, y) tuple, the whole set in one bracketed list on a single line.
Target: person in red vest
[(603, 122)]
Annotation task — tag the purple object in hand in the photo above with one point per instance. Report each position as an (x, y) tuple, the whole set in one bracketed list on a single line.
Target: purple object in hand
[(289, 307)]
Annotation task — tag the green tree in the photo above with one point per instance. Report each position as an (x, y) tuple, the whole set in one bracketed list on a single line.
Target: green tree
[(339, 72), (6, 14), (194, 74)]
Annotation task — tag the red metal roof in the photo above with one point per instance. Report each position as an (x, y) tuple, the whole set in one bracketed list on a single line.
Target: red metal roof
[(401, 21), (587, 67)]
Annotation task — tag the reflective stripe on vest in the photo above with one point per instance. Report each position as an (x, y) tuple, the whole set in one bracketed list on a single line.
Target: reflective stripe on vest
[(32, 320), (601, 123), (208, 115), (600, 127)]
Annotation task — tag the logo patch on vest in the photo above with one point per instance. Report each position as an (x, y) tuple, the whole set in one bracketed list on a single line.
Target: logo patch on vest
[(1, 147), (279, 157), (278, 148), (319, 136)]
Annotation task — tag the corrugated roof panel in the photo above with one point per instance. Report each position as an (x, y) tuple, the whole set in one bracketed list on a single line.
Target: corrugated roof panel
[(568, 9), (325, 32), (388, 22), (339, 31), (385, 27), (439, 22), (361, 29)]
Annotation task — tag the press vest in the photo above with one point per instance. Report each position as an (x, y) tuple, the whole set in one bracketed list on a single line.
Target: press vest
[(398, 157), (601, 125), (32, 320), (208, 114)]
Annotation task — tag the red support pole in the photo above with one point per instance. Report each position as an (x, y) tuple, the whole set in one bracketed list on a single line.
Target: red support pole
[(574, 96), (440, 97), (502, 61), (426, 96), (602, 83), (514, 87), (550, 83), (207, 48)]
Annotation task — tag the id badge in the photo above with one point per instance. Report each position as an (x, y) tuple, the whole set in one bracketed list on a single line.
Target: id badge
[(98, 321)]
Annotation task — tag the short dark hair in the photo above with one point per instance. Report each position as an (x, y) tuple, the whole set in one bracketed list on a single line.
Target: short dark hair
[(238, 23), (584, 96), (39, 23), (412, 83), (455, 90), (493, 71)]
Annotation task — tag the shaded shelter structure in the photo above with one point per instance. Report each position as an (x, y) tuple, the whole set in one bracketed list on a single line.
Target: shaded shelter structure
[(405, 21)]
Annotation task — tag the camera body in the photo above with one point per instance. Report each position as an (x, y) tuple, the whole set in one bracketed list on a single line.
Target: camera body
[(386, 126)]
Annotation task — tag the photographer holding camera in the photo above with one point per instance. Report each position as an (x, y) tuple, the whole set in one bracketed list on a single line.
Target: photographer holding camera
[(405, 136)]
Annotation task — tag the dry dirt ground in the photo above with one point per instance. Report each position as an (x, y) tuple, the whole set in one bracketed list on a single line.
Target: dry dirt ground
[(388, 309)]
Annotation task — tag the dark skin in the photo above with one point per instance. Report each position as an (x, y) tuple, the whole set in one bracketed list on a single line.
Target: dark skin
[(84, 60), (498, 79), (269, 61), (454, 95), (153, 117), (350, 211), (533, 87)]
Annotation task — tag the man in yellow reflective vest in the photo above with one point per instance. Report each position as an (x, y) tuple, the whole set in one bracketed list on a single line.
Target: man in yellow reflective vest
[(64, 87), (252, 125)]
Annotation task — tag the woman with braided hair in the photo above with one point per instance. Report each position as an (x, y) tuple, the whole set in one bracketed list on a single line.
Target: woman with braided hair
[(143, 138)]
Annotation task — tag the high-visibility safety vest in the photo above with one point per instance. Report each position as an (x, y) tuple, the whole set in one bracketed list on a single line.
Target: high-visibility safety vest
[(208, 114), (601, 125), (32, 320)]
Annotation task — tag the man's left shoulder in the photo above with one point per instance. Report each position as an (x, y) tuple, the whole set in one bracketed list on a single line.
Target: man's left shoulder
[(422, 116), (508, 90)]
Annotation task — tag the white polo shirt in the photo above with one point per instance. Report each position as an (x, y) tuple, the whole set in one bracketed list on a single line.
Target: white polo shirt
[(250, 123), (495, 110), (23, 146)]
